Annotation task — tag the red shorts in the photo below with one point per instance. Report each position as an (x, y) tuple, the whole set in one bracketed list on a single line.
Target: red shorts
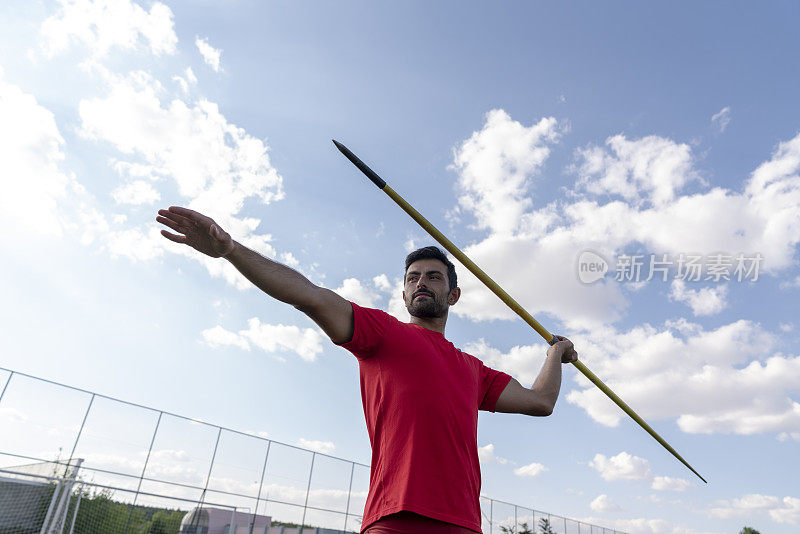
[(410, 523)]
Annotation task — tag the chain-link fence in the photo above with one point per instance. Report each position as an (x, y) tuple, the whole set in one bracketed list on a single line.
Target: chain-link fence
[(35, 503), (87, 456)]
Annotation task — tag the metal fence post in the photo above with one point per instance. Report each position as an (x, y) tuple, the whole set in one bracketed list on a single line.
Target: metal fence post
[(53, 499), (147, 458), (75, 512), (232, 529), (144, 469), (211, 465), (208, 478), (260, 485), (308, 490), (78, 437), (349, 492), (4, 387)]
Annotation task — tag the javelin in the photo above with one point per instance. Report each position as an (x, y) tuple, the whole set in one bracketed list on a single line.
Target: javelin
[(505, 297)]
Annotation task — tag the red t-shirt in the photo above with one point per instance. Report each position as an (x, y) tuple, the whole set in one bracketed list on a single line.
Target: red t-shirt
[(421, 397)]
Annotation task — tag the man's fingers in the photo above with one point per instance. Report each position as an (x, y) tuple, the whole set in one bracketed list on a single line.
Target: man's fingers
[(173, 237), (172, 224), (566, 345), (177, 219), (568, 352), (192, 215)]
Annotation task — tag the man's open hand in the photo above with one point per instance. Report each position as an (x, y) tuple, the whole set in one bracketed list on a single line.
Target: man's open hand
[(565, 348), (198, 231)]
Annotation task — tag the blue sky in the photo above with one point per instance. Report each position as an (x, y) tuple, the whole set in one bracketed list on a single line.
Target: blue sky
[(528, 133)]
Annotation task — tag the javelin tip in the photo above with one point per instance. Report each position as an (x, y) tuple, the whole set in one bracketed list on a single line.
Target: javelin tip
[(372, 175)]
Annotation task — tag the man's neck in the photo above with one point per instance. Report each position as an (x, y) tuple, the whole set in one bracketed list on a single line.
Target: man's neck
[(436, 324)]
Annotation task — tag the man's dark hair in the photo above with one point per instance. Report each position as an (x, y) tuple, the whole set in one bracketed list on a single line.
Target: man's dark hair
[(433, 253)]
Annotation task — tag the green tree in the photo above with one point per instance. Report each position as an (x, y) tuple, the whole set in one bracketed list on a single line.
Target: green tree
[(523, 529), (544, 526), (165, 522), (749, 530)]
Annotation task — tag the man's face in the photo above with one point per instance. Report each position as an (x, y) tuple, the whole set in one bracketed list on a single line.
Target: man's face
[(427, 290)]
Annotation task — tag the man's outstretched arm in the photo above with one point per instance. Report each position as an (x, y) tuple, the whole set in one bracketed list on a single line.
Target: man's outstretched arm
[(330, 311), (541, 398)]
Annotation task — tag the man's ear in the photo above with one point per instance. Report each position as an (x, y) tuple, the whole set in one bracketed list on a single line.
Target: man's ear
[(454, 295)]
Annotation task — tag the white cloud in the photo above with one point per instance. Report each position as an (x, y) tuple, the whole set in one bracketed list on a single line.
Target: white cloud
[(325, 447), (136, 193), (185, 81), (604, 504), (31, 157), (554, 289), (651, 169), (523, 362), (727, 380), (136, 244), (305, 342), (210, 54), (13, 415), (215, 165), (382, 283), (219, 337), (789, 512), (384, 294), (786, 436), (486, 455), (749, 420), (531, 470), (628, 193), (351, 289), (670, 484), (785, 510), (786, 327), (623, 466), (641, 525), (190, 77), (102, 25), (722, 118), (703, 301), (289, 259), (743, 506), (212, 161), (495, 166)]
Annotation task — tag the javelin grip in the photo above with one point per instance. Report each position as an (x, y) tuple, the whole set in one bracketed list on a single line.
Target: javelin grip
[(377, 180)]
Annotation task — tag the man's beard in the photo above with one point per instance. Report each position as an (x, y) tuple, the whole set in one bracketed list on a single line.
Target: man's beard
[(429, 308)]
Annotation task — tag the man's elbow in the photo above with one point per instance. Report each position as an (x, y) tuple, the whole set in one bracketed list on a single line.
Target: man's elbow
[(541, 408)]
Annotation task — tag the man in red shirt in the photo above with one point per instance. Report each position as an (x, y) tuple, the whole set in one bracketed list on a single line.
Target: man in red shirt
[(420, 394)]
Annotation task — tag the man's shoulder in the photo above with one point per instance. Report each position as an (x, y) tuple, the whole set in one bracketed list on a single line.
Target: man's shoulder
[(375, 312)]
